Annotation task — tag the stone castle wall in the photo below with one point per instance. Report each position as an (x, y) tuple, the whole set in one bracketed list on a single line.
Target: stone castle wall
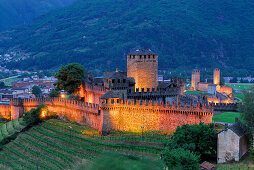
[(91, 93), (202, 86), (144, 69), (5, 111), (224, 89), (80, 112), (117, 114), (135, 117)]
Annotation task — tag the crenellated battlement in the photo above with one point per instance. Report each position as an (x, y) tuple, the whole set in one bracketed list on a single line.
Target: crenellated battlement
[(153, 104)]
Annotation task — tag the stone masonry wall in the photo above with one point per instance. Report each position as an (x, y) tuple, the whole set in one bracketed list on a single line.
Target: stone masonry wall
[(144, 69), (91, 94), (5, 111), (158, 117), (80, 112)]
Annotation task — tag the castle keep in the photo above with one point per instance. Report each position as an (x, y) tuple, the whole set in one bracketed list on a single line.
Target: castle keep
[(126, 101), (142, 65)]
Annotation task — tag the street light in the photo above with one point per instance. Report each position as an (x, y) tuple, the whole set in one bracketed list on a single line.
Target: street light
[(70, 131), (142, 127), (62, 95)]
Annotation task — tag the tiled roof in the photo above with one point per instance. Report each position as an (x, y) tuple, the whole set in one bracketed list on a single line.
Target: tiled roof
[(110, 94), (238, 128)]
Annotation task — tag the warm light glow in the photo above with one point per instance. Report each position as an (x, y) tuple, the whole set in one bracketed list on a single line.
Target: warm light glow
[(62, 95), (43, 114)]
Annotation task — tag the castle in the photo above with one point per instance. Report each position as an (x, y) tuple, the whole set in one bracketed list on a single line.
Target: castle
[(217, 93), (126, 101)]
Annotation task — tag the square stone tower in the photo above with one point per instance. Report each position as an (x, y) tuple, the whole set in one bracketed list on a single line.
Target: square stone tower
[(216, 76), (195, 79), (142, 65)]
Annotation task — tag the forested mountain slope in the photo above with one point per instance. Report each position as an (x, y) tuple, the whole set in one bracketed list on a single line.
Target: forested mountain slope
[(17, 12), (99, 34)]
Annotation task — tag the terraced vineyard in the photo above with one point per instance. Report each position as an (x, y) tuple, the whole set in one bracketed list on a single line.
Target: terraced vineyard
[(56, 144)]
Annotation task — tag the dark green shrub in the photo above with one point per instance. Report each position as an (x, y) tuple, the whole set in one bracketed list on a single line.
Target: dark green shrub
[(33, 117), (180, 159), (201, 139)]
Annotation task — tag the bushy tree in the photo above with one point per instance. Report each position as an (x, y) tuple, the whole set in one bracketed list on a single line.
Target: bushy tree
[(36, 90), (2, 85), (33, 117), (201, 139), (70, 77), (180, 159), (247, 109), (54, 93)]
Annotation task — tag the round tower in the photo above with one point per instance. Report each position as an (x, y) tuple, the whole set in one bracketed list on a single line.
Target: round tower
[(216, 76), (195, 79), (142, 65)]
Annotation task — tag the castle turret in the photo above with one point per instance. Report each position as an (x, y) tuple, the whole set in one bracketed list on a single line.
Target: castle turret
[(195, 79), (142, 65), (216, 76)]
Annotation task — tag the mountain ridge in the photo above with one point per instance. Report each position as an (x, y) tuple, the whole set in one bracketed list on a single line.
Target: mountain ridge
[(99, 34), (13, 12)]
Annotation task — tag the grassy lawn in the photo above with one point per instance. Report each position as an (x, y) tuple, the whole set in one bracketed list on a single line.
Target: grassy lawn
[(246, 164), (240, 86), (238, 95), (228, 117), (195, 92), (8, 82)]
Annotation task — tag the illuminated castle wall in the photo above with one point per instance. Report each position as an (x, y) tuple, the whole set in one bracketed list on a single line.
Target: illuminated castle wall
[(142, 65), (130, 116), (115, 114), (90, 93)]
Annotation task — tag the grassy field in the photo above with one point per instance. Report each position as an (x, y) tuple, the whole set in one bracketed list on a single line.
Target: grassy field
[(195, 92), (228, 117), (57, 144), (238, 95), (246, 164), (8, 82), (240, 86)]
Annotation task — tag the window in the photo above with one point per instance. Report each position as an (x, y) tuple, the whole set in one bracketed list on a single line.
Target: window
[(119, 80), (113, 81), (124, 80), (153, 56), (140, 56), (144, 57), (133, 56), (112, 101), (149, 56)]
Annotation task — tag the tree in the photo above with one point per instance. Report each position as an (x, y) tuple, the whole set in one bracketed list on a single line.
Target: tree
[(33, 117), (36, 90), (234, 80), (247, 109), (70, 77), (54, 93), (2, 85), (180, 159), (201, 139)]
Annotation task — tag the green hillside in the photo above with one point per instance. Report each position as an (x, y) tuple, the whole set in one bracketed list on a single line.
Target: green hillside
[(99, 33), (52, 145), (17, 12)]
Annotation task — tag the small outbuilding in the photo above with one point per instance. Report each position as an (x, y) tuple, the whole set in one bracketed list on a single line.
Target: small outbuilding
[(232, 143)]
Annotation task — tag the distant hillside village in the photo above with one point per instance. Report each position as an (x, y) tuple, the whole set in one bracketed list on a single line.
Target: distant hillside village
[(23, 88)]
